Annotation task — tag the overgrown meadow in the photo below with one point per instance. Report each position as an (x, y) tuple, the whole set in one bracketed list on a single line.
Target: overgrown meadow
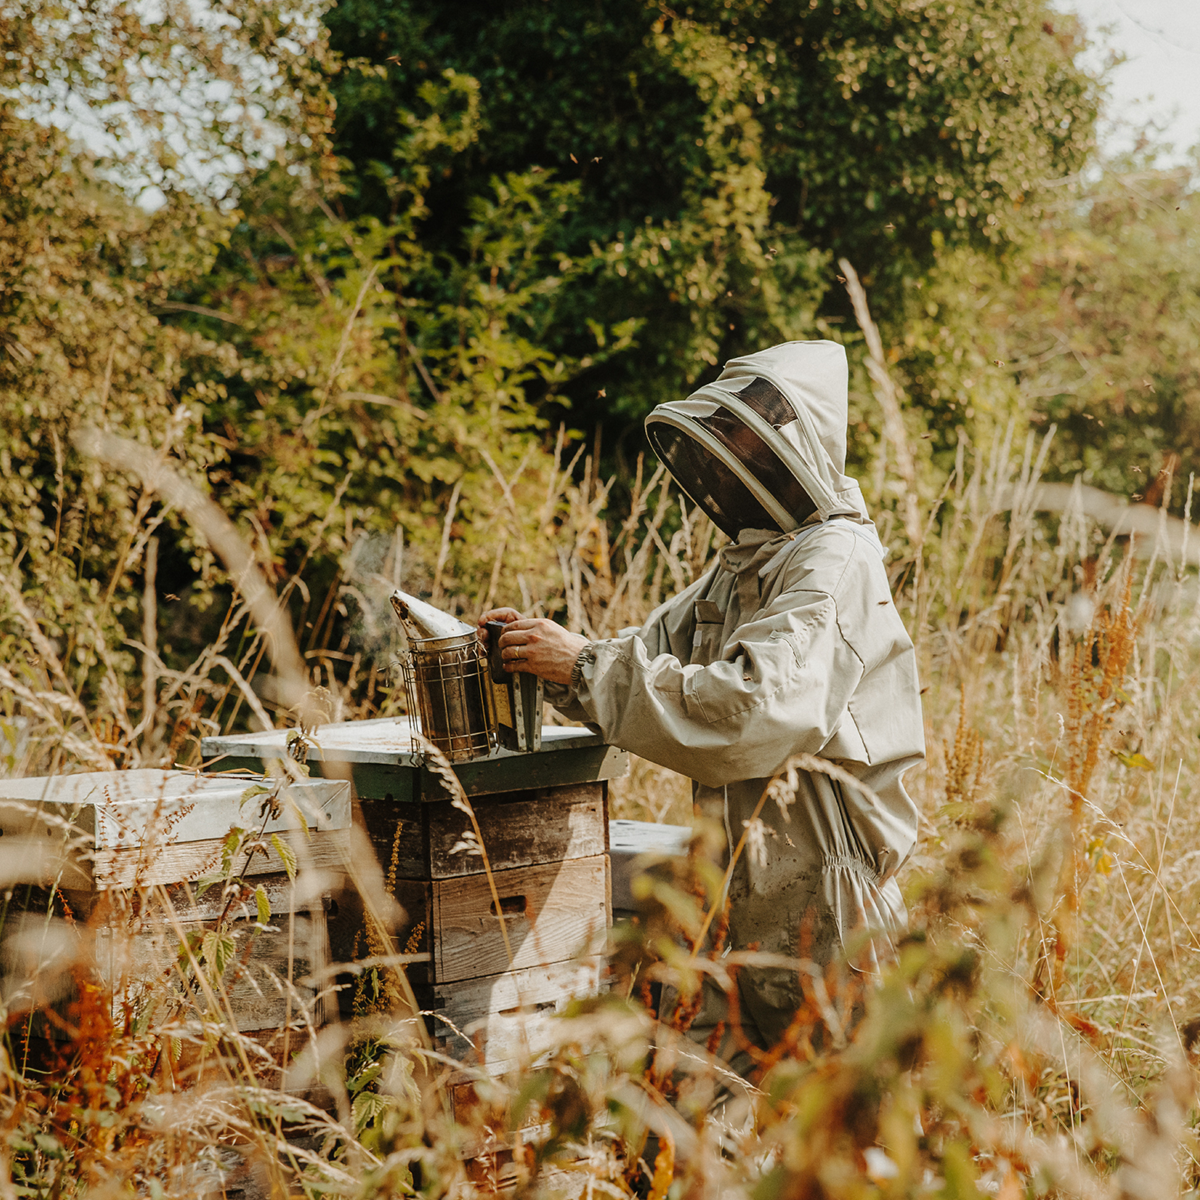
[(1031, 1037), (300, 306)]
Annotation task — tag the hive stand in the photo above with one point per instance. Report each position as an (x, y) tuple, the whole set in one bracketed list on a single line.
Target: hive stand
[(544, 821), (125, 848)]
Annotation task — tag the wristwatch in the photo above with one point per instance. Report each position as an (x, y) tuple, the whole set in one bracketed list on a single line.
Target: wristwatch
[(586, 655)]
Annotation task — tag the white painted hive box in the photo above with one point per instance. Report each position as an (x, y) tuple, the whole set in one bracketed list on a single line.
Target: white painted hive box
[(129, 829)]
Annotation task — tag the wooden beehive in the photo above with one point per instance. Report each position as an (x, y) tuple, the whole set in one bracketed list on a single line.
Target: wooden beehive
[(543, 817), (122, 854), (630, 842)]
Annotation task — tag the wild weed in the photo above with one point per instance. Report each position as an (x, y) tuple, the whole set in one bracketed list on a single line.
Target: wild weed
[(1029, 1037)]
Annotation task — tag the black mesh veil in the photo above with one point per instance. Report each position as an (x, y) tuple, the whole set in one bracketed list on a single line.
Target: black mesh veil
[(709, 482), (704, 472)]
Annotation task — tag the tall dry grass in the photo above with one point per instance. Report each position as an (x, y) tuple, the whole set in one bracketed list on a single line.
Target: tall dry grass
[(1033, 1037)]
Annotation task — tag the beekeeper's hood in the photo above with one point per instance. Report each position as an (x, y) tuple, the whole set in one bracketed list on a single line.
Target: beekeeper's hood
[(764, 447)]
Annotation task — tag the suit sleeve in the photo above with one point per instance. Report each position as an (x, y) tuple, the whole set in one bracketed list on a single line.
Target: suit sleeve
[(780, 688), (662, 625)]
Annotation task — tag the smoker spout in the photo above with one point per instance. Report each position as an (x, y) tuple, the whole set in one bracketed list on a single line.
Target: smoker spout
[(422, 621)]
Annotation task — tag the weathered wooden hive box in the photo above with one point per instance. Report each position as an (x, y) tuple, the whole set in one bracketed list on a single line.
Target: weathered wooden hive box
[(543, 817), (123, 855)]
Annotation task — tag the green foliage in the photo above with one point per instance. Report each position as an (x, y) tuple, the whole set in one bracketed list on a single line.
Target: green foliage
[(724, 152), (85, 275), (396, 377), (262, 905), (1089, 328), (286, 855), (1107, 310), (80, 272), (258, 350)]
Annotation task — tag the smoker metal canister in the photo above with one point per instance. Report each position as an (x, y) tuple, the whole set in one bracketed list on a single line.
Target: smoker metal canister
[(446, 680)]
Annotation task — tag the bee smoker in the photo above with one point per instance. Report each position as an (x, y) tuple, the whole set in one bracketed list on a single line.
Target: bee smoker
[(446, 679)]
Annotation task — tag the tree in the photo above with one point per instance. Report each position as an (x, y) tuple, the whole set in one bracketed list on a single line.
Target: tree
[(724, 153), (1090, 328), (176, 105), (242, 331), (372, 366)]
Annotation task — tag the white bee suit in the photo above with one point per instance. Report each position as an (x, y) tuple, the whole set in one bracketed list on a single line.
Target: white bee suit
[(790, 644)]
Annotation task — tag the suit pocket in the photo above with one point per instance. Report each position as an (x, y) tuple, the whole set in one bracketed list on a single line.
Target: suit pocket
[(707, 635)]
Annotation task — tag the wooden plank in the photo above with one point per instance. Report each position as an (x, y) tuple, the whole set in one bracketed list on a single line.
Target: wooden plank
[(500, 1042), (257, 988), (207, 812), (146, 827), (255, 983), (283, 895), (551, 912), (189, 905), (144, 866), (502, 1021), (519, 829), (527, 990), (549, 768)]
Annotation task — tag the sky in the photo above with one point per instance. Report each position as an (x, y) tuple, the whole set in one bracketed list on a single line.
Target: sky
[(1160, 79)]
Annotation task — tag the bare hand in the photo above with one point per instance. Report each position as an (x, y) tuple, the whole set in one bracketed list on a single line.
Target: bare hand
[(534, 645)]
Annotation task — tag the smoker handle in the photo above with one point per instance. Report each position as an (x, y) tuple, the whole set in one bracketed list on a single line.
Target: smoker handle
[(495, 662)]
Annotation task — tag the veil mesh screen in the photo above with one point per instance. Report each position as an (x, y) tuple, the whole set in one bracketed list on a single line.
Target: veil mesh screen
[(709, 482), (713, 486)]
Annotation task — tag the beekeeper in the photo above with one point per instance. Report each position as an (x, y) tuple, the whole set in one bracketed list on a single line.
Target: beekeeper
[(789, 645)]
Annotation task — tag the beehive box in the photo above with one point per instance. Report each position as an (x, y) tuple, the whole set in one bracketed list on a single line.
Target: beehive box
[(631, 842), (543, 818), (122, 853)]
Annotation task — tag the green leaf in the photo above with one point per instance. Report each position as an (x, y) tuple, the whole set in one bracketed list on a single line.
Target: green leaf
[(368, 1107), (219, 949), (48, 1145), (364, 1078), (264, 905), (1138, 761), (255, 789), (286, 854), (189, 948), (230, 847)]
